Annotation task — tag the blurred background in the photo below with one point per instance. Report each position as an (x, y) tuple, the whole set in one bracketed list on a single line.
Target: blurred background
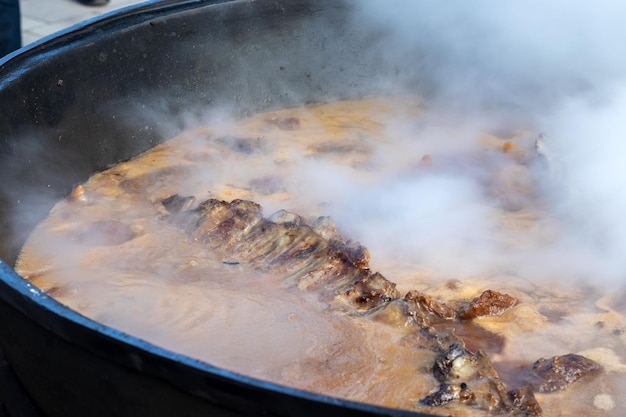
[(44, 17)]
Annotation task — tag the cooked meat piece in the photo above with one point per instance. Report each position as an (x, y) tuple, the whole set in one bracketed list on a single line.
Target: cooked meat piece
[(489, 303), (559, 372), (394, 313), (287, 218), (352, 252), (445, 394), (286, 245), (326, 228), (455, 363), (223, 225), (371, 291), (424, 308), (524, 400), (470, 379)]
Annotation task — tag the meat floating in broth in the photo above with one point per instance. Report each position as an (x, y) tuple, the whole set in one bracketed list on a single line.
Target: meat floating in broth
[(179, 247)]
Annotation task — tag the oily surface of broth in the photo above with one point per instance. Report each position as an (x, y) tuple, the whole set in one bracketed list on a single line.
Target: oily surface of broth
[(107, 252)]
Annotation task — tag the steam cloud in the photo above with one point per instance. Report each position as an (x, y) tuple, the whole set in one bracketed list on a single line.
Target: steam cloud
[(522, 54), (556, 67)]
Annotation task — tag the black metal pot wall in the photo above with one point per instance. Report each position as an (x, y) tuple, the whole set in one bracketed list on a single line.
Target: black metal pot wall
[(99, 93)]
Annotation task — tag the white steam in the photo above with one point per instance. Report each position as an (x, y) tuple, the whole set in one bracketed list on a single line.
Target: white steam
[(557, 67), (590, 143), (425, 221), (519, 53)]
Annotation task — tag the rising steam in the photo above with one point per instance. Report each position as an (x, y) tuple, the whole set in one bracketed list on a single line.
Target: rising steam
[(557, 67)]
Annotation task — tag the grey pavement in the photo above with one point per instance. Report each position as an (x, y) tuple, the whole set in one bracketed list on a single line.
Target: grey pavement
[(44, 17)]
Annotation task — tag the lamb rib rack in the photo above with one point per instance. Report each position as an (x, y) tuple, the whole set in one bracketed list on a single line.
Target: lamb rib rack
[(315, 257)]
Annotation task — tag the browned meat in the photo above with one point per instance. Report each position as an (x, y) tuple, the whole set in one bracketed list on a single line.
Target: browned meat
[(286, 245), (371, 291), (559, 372), (424, 308), (489, 303), (469, 378), (524, 400)]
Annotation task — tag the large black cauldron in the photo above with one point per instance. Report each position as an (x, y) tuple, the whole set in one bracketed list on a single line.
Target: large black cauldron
[(97, 94)]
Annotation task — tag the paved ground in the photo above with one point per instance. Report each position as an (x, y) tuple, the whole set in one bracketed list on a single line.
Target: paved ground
[(44, 17)]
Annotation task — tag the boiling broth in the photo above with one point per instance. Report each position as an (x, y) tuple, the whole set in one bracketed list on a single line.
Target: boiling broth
[(107, 253)]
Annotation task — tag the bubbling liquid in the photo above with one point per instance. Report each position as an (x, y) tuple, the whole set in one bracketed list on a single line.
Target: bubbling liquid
[(373, 166)]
